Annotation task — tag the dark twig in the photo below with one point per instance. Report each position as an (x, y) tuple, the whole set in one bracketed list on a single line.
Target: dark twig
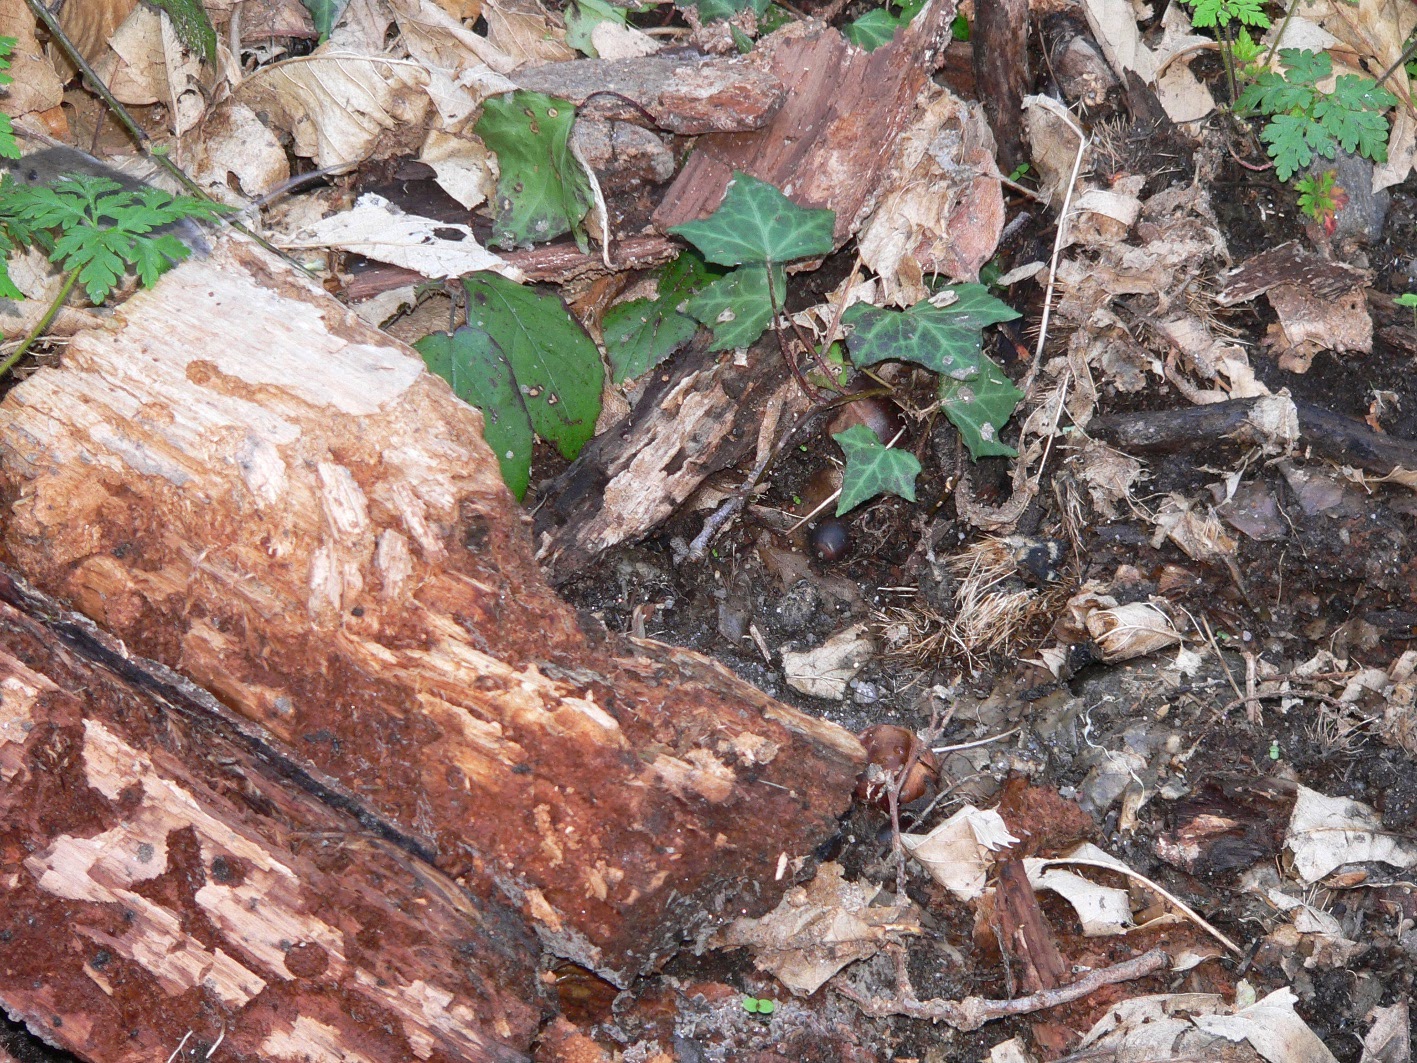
[(973, 1012)]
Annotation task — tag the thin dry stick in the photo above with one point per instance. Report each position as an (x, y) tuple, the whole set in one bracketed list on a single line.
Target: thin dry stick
[(1171, 898), (973, 1012), (1083, 142)]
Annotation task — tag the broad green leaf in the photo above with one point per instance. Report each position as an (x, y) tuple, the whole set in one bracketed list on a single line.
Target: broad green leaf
[(480, 376), (873, 29), (325, 14), (872, 469), (542, 191), (557, 367), (757, 223), (582, 16), (643, 332), (979, 408), (712, 10), (738, 306), (945, 339)]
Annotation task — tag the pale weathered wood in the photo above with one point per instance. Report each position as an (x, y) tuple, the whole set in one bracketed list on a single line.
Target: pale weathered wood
[(165, 876), (243, 481), (836, 133), (699, 415), (709, 94)]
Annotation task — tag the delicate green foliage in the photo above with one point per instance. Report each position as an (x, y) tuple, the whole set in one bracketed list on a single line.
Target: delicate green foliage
[(95, 226), (643, 332), (1247, 52), (773, 19), (1305, 122), (759, 1005), (977, 397), (194, 28), (542, 191), (712, 10), (1223, 12), (943, 338), (872, 468), (481, 376), (757, 223), (979, 408), (9, 148), (959, 29), (556, 366), (1321, 198), (738, 306), (582, 16)]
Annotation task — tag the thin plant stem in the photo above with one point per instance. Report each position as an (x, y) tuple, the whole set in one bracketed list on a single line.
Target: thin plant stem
[(69, 281)]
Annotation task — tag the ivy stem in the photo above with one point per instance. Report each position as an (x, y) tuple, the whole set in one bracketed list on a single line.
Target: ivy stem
[(69, 281)]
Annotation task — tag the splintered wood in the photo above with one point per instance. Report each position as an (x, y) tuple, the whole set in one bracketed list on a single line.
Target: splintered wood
[(242, 481)]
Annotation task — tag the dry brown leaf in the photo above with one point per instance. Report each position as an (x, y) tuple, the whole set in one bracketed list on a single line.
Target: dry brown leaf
[(36, 85), (525, 31)]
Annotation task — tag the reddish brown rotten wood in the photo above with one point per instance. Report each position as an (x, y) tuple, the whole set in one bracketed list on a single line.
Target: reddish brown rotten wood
[(243, 481), (168, 877), (835, 135), (1024, 930)]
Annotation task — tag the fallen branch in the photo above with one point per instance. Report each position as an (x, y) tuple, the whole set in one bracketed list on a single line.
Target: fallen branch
[(973, 1012)]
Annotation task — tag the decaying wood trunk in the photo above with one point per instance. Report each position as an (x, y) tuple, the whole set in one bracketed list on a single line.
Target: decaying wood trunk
[(243, 482), (168, 880), (836, 133)]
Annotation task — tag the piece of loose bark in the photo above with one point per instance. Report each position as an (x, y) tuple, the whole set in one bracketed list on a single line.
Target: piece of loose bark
[(700, 414), (834, 136), (1327, 434), (686, 96), (168, 876), (1025, 931), (1289, 264), (1000, 41), (243, 481)]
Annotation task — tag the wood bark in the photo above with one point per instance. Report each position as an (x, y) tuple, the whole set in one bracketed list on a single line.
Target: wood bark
[(168, 877), (699, 415), (1001, 73), (835, 135), (244, 482), (686, 96)]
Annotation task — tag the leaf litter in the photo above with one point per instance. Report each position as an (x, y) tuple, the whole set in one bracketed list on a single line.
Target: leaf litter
[(1161, 645)]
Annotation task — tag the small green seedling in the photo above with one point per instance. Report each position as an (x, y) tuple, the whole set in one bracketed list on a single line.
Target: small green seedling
[(1274, 749), (1321, 198), (761, 1006), (1408, 299)]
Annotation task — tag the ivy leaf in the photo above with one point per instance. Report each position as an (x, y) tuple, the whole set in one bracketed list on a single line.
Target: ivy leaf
[(712, 10), (557, 367), (943, 338), (583, 16), (872, 469), (481, 376), (542, 191), (738, 306), (873, 29), (979, 408), (325, 14), (643, 332), (757, 223)]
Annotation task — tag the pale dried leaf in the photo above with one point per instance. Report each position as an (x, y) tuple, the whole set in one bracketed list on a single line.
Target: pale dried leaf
[(1325, 833), (523, 30), (959, 852), (824, 672), (376, 229)]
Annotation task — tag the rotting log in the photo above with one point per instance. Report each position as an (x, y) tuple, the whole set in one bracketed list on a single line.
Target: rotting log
[(244, 482), (835, 135), (168, 882), (1002, 75)]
